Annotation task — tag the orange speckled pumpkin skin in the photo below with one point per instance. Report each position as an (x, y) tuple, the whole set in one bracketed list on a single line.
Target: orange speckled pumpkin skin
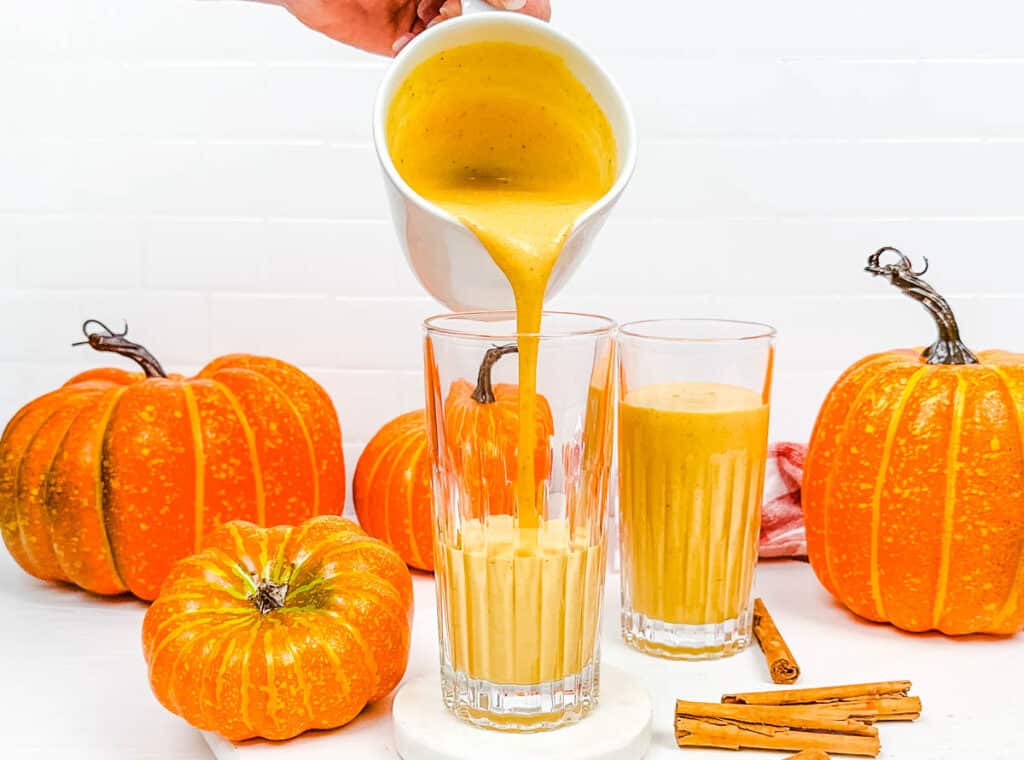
[(109, 480), (482, 441), (913, 492), (392, 489), (337, 639)]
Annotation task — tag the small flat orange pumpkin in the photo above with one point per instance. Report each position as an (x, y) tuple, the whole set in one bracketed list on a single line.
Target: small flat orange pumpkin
[(272, 632), (392, 489), (482, 438)]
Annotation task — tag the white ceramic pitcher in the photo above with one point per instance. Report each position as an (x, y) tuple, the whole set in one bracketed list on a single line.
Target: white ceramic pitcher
[(446, 256)]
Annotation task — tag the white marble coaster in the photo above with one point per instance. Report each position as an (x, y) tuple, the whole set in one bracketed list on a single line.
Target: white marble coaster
[(618, 729)]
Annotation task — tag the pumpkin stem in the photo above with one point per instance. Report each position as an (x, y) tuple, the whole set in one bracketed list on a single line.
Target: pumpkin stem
[(949, 348), (484, 391), (108, 340), (268, 596)]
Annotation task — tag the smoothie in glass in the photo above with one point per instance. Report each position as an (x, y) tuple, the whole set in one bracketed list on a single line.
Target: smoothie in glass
[(692, 459)]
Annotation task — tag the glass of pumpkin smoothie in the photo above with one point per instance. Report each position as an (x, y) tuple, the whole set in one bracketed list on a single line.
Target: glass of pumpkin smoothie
[(693, 436), (520, 474)]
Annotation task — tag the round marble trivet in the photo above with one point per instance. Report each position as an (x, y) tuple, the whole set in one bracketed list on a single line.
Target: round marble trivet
[(619, 728)]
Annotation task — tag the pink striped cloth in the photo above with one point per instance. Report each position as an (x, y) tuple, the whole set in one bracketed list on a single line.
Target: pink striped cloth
[(782, 519)]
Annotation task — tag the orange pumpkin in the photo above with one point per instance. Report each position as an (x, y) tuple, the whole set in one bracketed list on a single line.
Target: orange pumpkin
[(272, 632), (392, 489), (914, 484), (108, 480), (482, 438)]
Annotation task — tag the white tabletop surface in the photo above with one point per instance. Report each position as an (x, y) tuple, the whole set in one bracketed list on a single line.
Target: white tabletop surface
[(73, 682)]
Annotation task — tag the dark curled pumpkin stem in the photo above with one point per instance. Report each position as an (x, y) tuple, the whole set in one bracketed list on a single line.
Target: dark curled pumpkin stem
[(108, 340), (484, 391), (949, 348), (269, 596)]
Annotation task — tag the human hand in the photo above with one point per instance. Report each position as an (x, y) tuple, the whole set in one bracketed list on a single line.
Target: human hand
[(386, 26)]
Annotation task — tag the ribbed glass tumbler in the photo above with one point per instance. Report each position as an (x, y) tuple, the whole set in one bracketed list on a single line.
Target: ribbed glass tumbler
[(519, 435), (693, 435)]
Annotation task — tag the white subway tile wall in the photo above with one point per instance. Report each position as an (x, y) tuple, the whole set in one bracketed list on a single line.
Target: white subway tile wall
[(204, 170)]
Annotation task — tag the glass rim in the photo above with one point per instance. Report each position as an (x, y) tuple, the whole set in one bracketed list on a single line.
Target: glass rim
[(758, 330), (432, 325)]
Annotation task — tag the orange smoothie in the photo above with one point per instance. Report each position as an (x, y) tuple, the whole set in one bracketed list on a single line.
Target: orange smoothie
[(505, 138), (692, 459), (507, 642)]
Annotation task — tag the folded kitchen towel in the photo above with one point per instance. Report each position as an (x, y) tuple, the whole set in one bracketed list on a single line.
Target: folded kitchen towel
[(782, 518)]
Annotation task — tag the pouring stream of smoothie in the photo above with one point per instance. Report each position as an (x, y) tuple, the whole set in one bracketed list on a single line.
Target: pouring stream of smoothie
[(506, 139)]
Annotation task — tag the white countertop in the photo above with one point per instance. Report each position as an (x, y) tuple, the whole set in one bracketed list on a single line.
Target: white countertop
[(74, 682)]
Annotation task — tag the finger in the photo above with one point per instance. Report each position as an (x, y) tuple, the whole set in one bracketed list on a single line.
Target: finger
[(427, 10), (432, 12), (451, 8), (404, 39), (428, 13), (401, 42), (538, 8)]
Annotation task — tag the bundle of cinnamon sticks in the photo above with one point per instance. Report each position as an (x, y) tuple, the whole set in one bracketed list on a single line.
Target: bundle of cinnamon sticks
[(830, 719)]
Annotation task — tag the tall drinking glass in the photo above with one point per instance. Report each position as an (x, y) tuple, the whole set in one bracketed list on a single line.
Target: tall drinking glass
[(693, 436), (519, 535)]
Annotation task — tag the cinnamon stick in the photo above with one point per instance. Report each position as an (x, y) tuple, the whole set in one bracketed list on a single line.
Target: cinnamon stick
[(799, 727), (808, 754), (820, 694), (868, 702), (781, 663)]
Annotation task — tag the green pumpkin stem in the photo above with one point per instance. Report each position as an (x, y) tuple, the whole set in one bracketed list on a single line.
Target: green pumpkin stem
[(949, 348), (117, 343), (484, 391)]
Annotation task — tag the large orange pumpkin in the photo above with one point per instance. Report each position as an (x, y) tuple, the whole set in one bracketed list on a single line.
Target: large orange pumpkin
[(914, 484), (482, 438), (271, 632), (392, 489), (108, 480)]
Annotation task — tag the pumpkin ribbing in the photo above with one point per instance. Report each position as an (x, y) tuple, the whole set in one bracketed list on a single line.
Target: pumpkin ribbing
[(132, 470), (481, 438), (271, 632), (914, 488), (392, 490)]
